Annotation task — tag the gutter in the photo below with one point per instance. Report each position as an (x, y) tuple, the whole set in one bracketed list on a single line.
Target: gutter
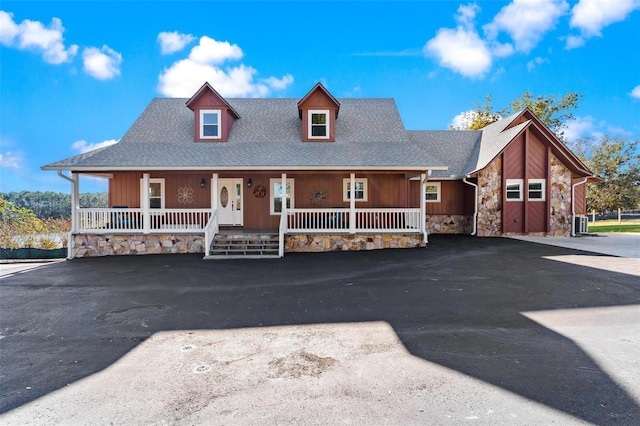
[(475, 205), (573, 204)]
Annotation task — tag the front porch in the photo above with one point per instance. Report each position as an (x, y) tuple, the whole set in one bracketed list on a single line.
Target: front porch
[(120, 230)]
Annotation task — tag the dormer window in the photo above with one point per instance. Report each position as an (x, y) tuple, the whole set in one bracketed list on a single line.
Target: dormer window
[(319, 124), (210, 120)]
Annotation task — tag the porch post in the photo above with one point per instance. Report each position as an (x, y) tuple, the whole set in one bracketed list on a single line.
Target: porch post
[(423, 203), (352, 204), (75, 200), (283, 212), (214, 192), (146, 216)]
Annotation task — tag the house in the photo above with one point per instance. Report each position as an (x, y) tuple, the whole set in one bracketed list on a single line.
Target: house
[(261, 177)]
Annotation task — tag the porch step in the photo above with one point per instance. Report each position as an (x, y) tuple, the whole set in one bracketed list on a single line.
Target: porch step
[(244, 246)]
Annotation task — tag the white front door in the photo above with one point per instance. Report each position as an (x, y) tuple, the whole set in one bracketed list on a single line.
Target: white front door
[(230, 201)]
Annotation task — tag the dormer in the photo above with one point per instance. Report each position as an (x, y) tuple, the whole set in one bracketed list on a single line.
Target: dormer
[(318, 111), (213, 117)]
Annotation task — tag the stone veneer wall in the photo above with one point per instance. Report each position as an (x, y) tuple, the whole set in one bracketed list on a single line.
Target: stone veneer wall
[(560, 199), (490, 200), (92, 245), (297, 243), (449, 224)]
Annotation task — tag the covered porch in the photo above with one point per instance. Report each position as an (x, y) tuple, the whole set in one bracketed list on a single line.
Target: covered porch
[(139, 223)]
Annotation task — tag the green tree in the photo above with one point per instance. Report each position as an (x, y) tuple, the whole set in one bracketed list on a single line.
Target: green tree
[(553, 110), (480, 117), (617, 161), (18, 226)]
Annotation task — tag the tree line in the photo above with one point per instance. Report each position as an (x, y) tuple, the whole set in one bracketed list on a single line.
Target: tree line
[(45, 205), (616, 159)]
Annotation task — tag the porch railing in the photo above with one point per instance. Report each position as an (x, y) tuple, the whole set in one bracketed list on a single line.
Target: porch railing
[(126, 220), (365, 220), (210, 231)]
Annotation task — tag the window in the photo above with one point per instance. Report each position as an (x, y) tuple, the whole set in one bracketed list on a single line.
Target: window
[(432, 192), (360, 190), (318, 124), (210, 124), (276, 195), (536, 189), (156, 193), (514, 189)]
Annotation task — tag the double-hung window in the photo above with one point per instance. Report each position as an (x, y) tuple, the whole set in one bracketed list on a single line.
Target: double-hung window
[(277, 195), (514, 189), (536, 189), (318, 124), (359, 190), (432, 192), (210, 124)]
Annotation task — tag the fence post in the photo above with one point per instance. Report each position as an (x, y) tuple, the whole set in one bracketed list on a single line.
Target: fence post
[(619, 217)]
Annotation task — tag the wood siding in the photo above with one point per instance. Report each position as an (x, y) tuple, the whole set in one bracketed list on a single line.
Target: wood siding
[(124, 189), (580, 197)]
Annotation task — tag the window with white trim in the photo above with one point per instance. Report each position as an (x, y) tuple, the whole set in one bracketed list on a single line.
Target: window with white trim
[(432, 192), (156, 193), (360, 190), (318, 123), (536, 189), (514, 189), (210, 124), (276, 195)]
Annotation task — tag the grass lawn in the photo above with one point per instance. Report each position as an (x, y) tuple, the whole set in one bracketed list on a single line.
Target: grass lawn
[(613, 226)]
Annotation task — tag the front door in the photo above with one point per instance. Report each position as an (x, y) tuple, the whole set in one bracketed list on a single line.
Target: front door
[(230, 201)]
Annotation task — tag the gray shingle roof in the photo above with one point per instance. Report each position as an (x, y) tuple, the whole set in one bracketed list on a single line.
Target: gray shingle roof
[(369, 135)]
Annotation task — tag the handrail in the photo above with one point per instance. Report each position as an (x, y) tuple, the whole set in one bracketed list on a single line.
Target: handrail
[(210, 231), (336, 220), (281, 231), (126, 220)]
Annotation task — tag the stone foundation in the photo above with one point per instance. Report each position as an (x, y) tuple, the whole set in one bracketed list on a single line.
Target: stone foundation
[(297, 243), (449, 224), (490, 200), (560, 199), (92, 245)]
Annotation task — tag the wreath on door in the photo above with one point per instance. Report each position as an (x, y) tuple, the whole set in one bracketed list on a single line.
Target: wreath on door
[(260, 191)]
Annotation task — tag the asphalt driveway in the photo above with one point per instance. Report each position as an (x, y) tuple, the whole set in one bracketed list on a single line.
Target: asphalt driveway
[(469, 329)]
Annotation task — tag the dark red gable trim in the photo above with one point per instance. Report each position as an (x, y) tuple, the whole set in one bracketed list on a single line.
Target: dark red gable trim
[(318, 87), (206, 87), (208, 98)]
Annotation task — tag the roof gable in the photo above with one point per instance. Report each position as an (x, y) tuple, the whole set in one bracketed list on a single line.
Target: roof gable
[(207, 96), (318, 97)]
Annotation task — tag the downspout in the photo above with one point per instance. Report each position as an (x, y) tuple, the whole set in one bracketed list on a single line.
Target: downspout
[(573, 205), (74, 216), (475, 204), (423, 208)]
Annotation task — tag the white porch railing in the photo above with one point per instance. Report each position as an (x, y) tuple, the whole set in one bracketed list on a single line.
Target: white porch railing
[(210, 232), (127, 220), (366, 220)]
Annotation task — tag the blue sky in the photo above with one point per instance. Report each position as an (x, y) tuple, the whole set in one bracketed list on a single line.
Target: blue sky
[(75, 75)]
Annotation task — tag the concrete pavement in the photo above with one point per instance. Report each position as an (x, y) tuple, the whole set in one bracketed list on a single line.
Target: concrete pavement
[(470, 329)]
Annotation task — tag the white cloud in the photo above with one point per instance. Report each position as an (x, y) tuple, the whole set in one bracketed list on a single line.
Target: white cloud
[(184, 77), (463, 120), (579, 127), (83, 146), (33, 35), (635, 93), (171, 42), (461, 49), (210, 51), (590, 16), (10, 160), (534, 62), (102, 64), (279, 83), (574, 42), (526, 21)]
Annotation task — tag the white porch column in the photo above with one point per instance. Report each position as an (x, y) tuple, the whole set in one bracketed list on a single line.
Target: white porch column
[(144, 201), (423, 205), (214, 192), (284, 194), (75, 200), (352, 204)]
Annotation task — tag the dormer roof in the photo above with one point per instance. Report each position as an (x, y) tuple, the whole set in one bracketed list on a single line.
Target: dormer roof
[(206, 88), (318, 88)]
